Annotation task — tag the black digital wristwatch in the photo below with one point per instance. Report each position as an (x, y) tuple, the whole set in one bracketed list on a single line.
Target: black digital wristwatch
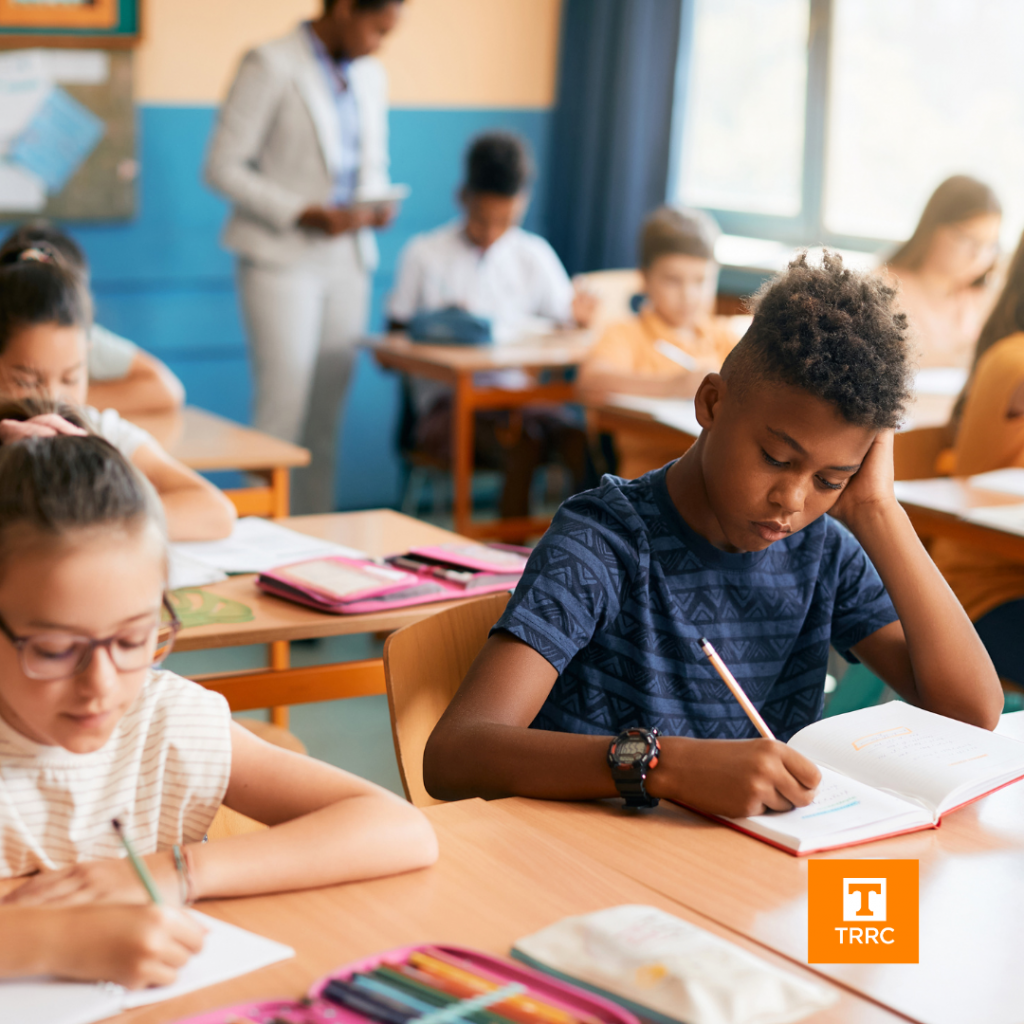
[(630, 756)]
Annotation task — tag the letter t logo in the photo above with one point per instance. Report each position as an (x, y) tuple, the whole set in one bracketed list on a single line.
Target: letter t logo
[(864, 899)]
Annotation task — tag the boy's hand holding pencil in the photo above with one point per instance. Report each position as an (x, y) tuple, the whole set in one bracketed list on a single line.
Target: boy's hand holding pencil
[(734, 778)]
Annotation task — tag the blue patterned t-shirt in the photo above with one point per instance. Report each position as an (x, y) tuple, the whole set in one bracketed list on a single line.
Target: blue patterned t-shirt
[(620, 588)]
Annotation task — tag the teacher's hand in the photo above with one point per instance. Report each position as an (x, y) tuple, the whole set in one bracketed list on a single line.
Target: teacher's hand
[(384, 214), (335, 220)]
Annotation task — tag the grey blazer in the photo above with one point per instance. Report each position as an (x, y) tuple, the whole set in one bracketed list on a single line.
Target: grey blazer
[(277, 141)]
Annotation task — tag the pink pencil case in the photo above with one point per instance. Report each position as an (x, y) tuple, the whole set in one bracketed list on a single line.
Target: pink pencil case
[(316, 1010), (480, 557)]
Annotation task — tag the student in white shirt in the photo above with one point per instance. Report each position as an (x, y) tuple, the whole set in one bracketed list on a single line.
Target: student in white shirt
[(121, 375), (45, 313), (91, 731), (487, 265)]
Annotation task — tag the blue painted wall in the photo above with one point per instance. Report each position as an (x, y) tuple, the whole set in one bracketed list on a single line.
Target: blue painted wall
[(164, 281)]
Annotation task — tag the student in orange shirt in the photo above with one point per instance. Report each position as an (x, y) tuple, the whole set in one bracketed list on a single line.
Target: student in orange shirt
[(945, 270), (666, 349), (990, 435)]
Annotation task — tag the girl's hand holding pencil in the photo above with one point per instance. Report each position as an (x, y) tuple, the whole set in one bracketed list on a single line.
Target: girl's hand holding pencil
[(99, 881)]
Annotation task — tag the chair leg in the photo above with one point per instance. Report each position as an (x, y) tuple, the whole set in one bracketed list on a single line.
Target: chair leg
[(413, 487)]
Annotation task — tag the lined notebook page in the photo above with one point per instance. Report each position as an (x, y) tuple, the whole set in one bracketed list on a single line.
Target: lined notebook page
[(839, 805), (915, 753)]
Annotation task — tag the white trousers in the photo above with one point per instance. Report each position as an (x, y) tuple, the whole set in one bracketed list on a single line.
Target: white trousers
[(303, 323)]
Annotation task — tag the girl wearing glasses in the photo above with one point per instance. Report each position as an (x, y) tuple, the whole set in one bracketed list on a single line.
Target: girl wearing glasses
[(90, 731), (945, 270)]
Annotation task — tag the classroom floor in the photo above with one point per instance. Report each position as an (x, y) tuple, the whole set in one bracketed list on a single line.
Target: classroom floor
[(353, 734)]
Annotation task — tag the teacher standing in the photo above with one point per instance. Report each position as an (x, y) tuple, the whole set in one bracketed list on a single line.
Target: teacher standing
[(302, 134)]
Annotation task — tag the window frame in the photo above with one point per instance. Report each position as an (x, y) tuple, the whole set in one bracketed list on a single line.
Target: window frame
[(808, 227)]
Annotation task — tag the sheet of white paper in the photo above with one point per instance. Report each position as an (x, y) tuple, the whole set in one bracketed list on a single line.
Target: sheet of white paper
[(258, 545), (672, 412), (28, 1000), (76, 67), (943, 494), (940, 380), (185, 571), (21, 191), (20, 99), (391, 194), (227, 953), (1008, 518), (1009, 481)]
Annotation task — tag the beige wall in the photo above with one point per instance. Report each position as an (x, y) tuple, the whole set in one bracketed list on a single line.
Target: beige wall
[(445, 53)]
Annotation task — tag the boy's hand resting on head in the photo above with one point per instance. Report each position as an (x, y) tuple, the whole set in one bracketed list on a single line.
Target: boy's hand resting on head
[(133, 946), (98, 881), (871, 486), (733, 778), (47, 425)]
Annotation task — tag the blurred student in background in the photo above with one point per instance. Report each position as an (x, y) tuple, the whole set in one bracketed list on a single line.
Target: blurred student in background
[(945, 270), (485, 264), (121, 375), (990, 435), (668, 347), (45, 315), (300, 143)]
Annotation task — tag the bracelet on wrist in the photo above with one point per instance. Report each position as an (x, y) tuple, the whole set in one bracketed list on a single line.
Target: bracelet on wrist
[(186, 887)]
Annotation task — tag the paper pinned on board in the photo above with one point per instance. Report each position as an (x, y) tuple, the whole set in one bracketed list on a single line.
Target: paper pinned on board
[(57, 140), (45, 134)]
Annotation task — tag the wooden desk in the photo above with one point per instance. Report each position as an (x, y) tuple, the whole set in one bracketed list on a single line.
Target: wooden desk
[(936, 510), (276, 621), (456, 366), (655, 433), (460, 900), (206, 442), (972, 893)]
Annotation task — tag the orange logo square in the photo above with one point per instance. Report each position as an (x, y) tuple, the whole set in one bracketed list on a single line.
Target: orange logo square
[(862, 912)]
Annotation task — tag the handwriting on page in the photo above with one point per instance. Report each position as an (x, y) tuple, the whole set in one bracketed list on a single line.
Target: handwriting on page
[(839, 803), (908, 746)]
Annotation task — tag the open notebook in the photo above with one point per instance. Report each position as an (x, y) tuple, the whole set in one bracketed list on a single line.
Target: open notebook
[(227, 952), (885, 770)]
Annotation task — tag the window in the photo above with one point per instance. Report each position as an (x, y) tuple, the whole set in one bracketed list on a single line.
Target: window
[(745, 108), (832, 121)]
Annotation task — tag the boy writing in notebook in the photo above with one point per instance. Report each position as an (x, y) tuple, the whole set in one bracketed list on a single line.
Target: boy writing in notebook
[(731, 542)]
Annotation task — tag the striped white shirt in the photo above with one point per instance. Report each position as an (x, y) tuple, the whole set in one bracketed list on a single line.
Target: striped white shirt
[(163, 772)]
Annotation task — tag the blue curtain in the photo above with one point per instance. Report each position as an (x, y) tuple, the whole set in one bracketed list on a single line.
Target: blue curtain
[(608, 162)]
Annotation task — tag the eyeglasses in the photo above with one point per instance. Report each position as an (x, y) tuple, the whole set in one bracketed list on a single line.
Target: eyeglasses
[(62, 655)]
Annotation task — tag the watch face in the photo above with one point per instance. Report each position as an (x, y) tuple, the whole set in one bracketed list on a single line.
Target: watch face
[(632, 748)]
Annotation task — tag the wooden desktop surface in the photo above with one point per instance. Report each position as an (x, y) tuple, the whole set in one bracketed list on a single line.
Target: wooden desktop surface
[(936, 507), (445, 362), (496, 881), (207, 442), (972, 893), (377, 532)]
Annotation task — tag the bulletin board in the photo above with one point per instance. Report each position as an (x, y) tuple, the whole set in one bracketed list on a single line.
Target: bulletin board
[(67, 134), (108, 23)]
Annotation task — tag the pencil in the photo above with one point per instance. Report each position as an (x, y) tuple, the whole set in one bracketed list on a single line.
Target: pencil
[(140, 868), (737, 691)]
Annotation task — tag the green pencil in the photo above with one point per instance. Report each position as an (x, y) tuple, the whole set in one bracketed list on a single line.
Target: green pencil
[(140, 868)]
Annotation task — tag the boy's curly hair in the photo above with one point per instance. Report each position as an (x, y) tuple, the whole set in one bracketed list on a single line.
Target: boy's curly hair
[(833, 332)]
